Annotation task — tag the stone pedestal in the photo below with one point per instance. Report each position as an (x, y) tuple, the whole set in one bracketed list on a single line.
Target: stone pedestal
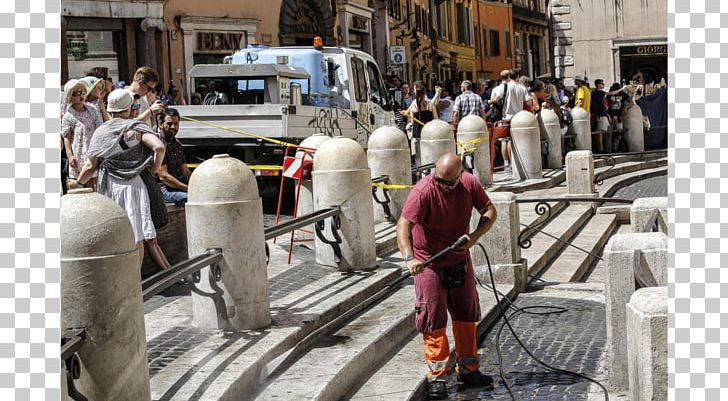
[(305, 196), (626, 256), (501, 243), (646, 213), (635, 129), (580, 173), (647, 344), (437, 139)]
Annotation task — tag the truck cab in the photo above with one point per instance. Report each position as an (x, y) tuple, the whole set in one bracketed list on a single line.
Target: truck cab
[(346, 79)]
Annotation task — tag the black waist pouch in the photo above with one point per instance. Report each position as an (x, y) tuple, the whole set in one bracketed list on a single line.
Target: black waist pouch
[(453, 277)]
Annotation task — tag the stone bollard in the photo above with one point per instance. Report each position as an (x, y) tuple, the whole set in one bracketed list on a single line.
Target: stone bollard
[(342, 178), (101, 291), (648, 212), (473, 128), (526, 145), (634, 133), (628, 256), (581, 126), (580, 173), (305, 196), (501, 243), (388, 154), (224, 211), (647, 344), (553, 132), (437, 139)]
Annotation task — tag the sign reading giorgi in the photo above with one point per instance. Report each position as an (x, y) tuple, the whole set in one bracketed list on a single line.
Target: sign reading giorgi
[(644, 50)]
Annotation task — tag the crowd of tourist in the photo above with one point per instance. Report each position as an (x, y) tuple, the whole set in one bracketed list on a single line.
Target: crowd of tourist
[(497, 101), (119, 140)]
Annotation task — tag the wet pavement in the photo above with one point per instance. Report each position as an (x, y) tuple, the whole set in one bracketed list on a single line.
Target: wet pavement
[(573, 340)]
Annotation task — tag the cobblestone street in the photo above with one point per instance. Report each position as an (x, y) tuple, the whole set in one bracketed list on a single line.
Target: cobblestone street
[(573, 340)]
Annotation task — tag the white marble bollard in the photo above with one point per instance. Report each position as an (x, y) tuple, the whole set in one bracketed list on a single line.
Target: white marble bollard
[(225, 211), (437, 138), (525, 134), (472, 128), (580, 173), (101, 291), (635, 129), (647, 344), (646, 212), (581, 126), (553, 132), (341, 177), (625, 255), (388, 154)]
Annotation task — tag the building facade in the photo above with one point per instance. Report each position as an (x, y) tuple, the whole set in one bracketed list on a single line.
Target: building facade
[(532, 38), (610, 40), (116, 34), (494, 48), (454, 54)]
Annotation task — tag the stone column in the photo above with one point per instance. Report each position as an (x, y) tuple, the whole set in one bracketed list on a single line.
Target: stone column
[(646, 212), (501, 243), (553, 131), (581, 126), (224, 211), (635, 129), (580, 173), (626, 256), (388, 154), (341, 177), (437, 139), (101, 291), (526, 145), (647, 344), (473, 128)]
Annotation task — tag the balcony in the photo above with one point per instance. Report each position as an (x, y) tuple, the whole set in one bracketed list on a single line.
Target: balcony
[(525, 12)]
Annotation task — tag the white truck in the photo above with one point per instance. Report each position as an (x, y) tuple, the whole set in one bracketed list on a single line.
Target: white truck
[(284, 93)]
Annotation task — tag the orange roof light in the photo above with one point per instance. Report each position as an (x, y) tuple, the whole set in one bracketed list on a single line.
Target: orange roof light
[(318, 42)]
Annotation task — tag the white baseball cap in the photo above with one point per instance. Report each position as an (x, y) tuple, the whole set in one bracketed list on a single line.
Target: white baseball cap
[(119, 100)]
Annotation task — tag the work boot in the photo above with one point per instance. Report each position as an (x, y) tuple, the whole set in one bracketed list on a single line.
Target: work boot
[(437, 389), (474, 379)]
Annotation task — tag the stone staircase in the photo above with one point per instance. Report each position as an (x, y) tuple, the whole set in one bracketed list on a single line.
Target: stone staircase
[(378, 354)]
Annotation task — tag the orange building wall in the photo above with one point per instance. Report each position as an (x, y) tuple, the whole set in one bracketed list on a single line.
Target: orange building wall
[(498, 16)]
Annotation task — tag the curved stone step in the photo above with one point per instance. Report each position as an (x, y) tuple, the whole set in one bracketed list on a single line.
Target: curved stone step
[(339, 362), (572, 264)]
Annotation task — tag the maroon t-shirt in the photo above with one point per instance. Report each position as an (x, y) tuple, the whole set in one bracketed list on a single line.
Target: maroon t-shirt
[(441, 219)]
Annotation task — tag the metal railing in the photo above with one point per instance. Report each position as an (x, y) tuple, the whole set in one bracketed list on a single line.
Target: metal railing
[(318, 218), (384, 179), (71, 342), (543, 207), (189, 270)]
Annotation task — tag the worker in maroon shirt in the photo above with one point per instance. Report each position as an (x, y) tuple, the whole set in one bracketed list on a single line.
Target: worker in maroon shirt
[(436, 214)]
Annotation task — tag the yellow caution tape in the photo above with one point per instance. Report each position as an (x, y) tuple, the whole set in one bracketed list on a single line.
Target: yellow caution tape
[(259, 167), (392, 186), (472, 141)]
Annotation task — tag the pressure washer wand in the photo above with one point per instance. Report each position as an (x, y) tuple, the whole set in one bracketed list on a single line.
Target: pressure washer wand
[(457, 244)]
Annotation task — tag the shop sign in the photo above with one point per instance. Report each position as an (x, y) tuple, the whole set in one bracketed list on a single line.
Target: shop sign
[(222, 42), (645, 50), (359, 23)]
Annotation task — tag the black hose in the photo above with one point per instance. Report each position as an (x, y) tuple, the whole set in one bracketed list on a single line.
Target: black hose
[(506, 322)]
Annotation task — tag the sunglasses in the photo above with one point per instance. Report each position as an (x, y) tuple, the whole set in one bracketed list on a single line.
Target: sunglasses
[(79, 93), (448, 183), (136, 106)]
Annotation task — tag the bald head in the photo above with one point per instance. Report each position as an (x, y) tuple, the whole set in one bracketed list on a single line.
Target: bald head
[(448, 166)]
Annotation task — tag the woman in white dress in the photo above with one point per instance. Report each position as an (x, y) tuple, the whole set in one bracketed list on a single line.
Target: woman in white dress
[(121, 149), (78, 124)]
